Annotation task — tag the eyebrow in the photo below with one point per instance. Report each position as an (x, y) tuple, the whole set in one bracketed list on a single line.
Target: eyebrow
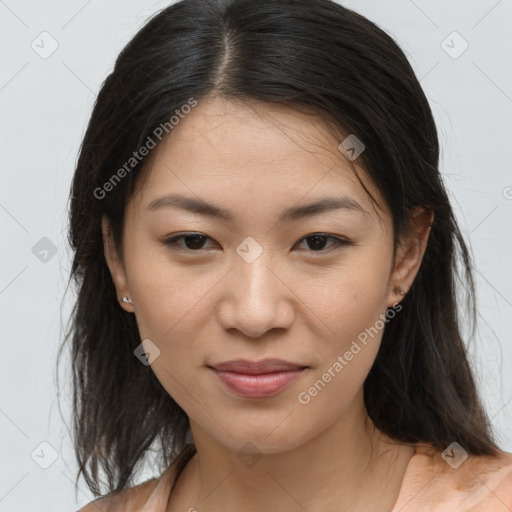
[(201, 207)]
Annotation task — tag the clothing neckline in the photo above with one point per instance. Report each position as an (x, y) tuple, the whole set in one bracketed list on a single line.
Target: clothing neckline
[(422, 469), (161, 495)]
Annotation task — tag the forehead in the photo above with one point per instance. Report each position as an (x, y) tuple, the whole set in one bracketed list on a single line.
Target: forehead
[(249, 153)]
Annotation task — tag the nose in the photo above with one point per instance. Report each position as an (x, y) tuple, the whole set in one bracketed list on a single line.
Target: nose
[(256, 299)]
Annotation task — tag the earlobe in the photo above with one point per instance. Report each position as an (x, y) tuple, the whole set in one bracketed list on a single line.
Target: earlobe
[(116, 268), (410, 251)]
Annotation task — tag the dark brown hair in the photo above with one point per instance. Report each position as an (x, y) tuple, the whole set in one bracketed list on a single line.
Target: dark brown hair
[(312, 55)]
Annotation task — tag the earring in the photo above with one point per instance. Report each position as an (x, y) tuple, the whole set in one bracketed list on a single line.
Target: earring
[(398, 289), (127, 299)]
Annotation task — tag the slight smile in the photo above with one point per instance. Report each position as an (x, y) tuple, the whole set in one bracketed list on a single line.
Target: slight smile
[(258, 379)]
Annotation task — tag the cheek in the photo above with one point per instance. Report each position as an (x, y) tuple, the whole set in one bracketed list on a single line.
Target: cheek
[(168, 297), (349, 298), (169, 303), (354, 307)]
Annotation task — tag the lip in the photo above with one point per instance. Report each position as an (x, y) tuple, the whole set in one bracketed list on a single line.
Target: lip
[(258, 379), (257, 367)]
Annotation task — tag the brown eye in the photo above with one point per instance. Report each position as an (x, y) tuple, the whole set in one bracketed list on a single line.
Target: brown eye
[(192, 242), (317, 242)]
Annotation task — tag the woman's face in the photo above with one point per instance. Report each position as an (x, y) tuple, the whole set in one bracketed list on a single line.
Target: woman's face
[(257, 284)]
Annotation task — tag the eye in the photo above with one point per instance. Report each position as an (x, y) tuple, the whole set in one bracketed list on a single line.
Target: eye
[(317, 241), (194, 242)]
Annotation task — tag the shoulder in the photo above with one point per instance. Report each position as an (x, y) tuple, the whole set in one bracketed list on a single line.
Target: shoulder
[(128, 500), (465, 482), (151, 495)]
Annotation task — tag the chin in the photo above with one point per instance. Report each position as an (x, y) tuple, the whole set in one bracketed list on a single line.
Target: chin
[(264, 435)]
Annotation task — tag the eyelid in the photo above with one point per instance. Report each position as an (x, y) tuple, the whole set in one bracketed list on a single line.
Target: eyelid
[(339, 241), (171, 241)]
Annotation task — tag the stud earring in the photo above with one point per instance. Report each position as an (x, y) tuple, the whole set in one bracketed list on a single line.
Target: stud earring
[(127, 299)]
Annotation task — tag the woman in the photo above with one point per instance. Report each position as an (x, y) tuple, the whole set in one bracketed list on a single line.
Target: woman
[(266, 261)]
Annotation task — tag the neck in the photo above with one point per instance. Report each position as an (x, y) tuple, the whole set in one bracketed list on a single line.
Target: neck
[(350, 465)]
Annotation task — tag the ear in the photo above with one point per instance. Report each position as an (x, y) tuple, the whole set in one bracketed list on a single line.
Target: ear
[(409, 253), (115, 265)]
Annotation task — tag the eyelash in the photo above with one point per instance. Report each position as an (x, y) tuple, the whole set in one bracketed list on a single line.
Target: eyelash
[(172, 242)]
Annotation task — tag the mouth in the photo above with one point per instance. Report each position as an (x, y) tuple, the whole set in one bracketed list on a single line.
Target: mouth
[(258, 379)]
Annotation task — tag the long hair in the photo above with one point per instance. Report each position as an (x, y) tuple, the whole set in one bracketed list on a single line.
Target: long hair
[(314, 56)]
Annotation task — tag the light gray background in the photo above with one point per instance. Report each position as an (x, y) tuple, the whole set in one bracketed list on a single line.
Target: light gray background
[(45, 104)]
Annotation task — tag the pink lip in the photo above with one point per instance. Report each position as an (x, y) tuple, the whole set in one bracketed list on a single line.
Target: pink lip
[(256, 367), (257, 379)]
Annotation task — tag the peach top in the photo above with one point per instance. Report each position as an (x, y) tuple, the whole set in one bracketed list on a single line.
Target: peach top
[(478, 484)]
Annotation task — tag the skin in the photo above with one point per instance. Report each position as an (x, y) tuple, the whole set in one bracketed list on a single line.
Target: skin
[(292, 302)]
